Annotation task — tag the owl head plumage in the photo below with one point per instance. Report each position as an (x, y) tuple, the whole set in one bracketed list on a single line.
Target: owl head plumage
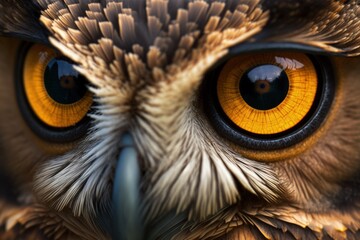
[(155, 72)]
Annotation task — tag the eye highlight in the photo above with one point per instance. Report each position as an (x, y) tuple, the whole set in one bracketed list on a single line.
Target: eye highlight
[(267, 93), (53, 96)]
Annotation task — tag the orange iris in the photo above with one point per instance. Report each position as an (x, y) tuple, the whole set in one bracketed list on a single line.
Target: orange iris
[(56, 93), (267, 93)]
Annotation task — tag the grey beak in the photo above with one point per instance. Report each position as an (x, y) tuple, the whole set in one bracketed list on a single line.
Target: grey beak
[(128, 220)]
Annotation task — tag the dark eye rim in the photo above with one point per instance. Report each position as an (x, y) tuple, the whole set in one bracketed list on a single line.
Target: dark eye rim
[(52, 134), (314, 119)]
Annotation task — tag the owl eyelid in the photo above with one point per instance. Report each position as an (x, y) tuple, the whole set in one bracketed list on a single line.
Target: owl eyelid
[(51, 134), (256, 47), (228, 130), (259, 47), (34, 39)]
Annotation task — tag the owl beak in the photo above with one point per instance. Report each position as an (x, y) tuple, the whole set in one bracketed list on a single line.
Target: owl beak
[(127, 219)]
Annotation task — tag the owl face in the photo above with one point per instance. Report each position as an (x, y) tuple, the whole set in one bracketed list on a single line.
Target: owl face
[(181, 119)]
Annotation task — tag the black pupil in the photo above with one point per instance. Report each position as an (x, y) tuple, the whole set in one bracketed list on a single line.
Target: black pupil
[(264, 87), (63, 83)]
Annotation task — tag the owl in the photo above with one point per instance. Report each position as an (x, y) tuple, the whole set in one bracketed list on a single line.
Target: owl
[(179, 119)]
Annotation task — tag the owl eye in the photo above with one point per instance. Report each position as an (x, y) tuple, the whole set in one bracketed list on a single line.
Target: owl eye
[(53, 96), (268, 101)]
